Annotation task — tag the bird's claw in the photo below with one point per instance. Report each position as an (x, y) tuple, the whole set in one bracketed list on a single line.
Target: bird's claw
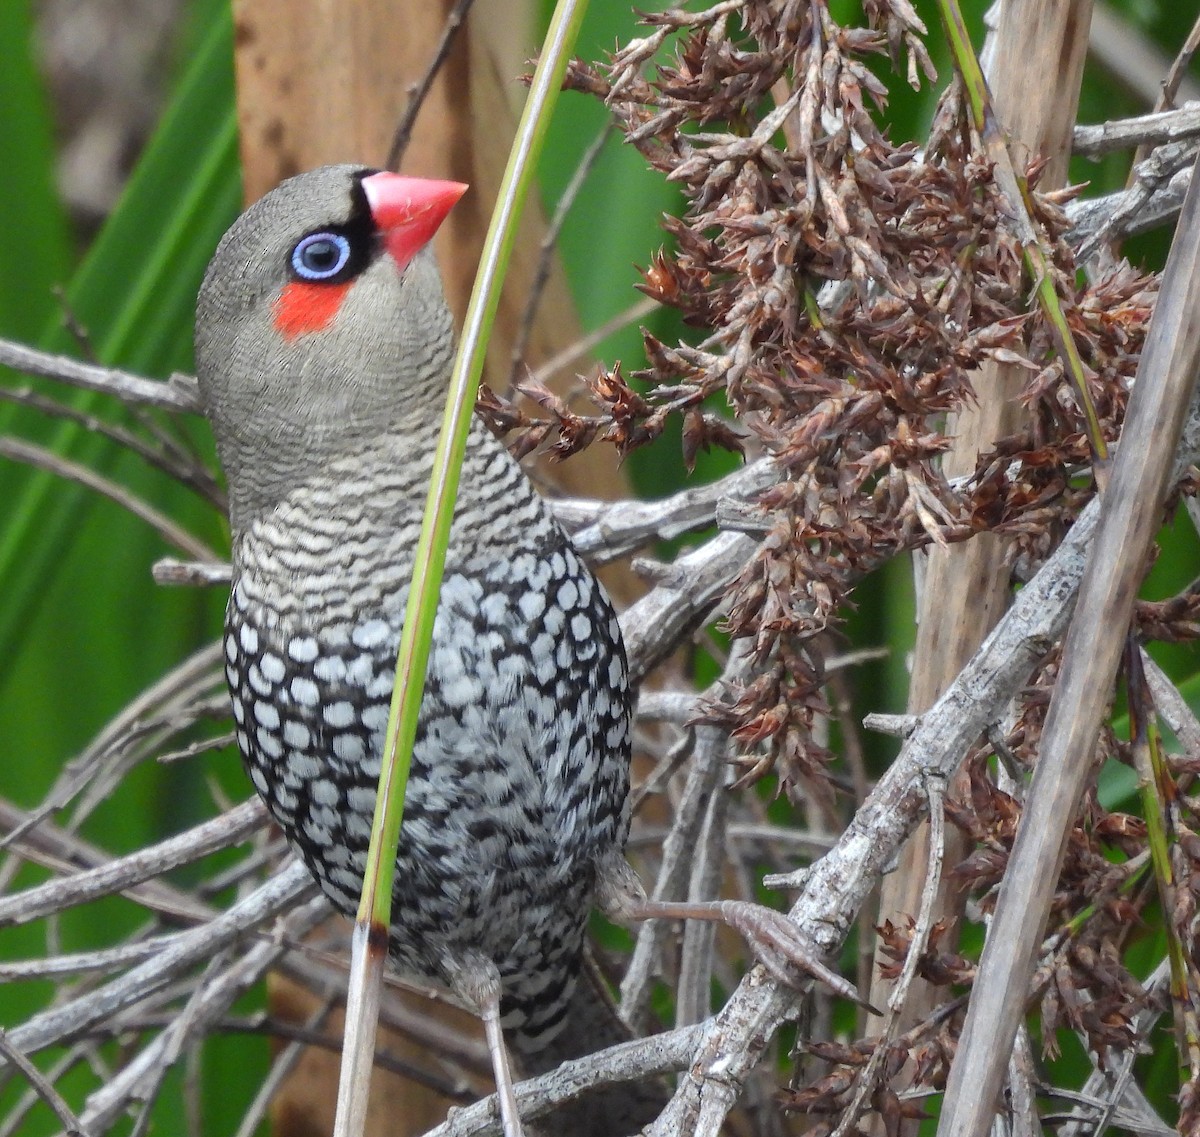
[(783, 950)]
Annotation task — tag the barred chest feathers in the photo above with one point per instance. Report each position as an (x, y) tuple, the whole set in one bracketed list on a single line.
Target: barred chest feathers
[(520, 767)]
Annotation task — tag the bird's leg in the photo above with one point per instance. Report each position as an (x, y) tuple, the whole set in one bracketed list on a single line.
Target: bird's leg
[(477, 982), (777, 943)]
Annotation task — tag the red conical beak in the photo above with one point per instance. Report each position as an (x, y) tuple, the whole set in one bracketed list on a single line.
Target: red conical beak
[(408, 211)]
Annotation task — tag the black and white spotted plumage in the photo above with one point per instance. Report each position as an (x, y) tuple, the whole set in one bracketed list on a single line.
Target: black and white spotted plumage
[(326, 426), (520, 767)]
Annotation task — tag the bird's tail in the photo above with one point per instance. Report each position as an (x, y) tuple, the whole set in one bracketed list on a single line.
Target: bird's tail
[(591, 1024)]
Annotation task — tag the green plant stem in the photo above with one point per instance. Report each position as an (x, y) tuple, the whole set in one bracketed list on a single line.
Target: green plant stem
[(374, 917), (375, 906), (1158, 792), (1015, 189)]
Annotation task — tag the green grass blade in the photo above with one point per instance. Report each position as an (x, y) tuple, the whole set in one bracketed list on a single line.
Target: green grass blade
[(137, 288), (374, 913), (37, 239)]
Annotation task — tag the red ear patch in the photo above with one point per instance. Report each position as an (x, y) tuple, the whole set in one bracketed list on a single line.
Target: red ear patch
[(304, 307)]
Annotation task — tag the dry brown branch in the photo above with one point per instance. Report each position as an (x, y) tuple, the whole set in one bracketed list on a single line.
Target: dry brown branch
[(1142, 130), (184, 468), (177, 394), (43, 1087), (18, 450), (662, 1054), (678, 848), (834, 888), (1129, 517), (917, 942), (1147, 179), (278, 896), (1136, 62), (123, 874), (419, 91), (963, 590), (546, 251)]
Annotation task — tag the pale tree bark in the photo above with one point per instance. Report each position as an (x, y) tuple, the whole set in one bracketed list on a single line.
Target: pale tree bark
[(1034, 79)]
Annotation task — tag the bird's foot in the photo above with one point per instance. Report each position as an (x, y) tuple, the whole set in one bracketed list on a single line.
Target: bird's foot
[(780, 946), (477, 982)]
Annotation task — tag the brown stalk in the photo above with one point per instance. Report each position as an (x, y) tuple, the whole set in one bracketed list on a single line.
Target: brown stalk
[(1175, 76), (1130, 514), (966, 587)]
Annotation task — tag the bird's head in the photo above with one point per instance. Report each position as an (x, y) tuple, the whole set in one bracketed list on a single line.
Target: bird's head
[(321, 323)]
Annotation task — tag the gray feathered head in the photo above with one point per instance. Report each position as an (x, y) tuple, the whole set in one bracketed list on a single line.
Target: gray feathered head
[(320, 324)]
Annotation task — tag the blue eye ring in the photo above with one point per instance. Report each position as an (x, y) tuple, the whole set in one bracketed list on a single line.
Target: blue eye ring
[(320, 256)]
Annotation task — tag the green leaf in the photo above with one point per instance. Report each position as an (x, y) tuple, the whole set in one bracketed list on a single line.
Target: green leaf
[(37, 242), (75, 570)]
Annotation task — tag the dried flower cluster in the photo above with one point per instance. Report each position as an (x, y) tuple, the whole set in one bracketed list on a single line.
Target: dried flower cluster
[(848, 286)]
